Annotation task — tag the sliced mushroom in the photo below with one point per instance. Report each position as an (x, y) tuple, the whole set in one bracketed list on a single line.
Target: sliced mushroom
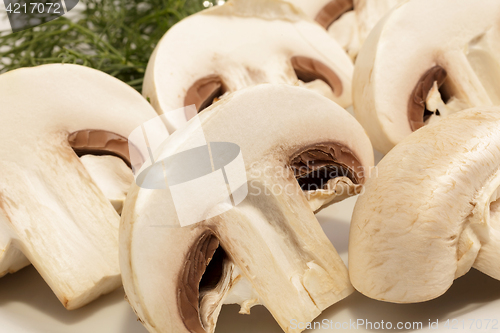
[(426, 60), (51, 209), (349, 22), (265, 41), (432, 212), (269, 249)]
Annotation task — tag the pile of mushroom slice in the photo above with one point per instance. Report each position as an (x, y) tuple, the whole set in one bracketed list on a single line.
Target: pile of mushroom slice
[(423, 61), (52, 211), (433, 211), (348, 21), (269, 249), (240, 44)]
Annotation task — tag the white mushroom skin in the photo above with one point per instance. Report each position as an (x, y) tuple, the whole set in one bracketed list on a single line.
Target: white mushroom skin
[(276, 253), (52, 213), (458, 37), (256, 42), (432, 212)]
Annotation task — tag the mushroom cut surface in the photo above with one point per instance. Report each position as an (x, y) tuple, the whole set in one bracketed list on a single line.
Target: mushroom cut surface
[(267, 249), (432, 212), (262, 41), (424, 61), (57, 210)]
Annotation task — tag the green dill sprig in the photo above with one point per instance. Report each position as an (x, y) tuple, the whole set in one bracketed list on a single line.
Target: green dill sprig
[(114, 36)]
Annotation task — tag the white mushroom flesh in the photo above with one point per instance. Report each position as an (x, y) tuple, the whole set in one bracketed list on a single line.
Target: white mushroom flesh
[(111, 175)]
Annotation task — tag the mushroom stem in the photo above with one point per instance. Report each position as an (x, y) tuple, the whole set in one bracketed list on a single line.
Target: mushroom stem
[(111, 175), (73, 244), (233, 288), (11, 259), (463, 80), (295, 261), (484, 59)]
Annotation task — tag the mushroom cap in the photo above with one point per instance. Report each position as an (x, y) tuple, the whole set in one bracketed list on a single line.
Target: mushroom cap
[(237, 45), (55, 214), (274, 240), (458, 36), (425, 219)]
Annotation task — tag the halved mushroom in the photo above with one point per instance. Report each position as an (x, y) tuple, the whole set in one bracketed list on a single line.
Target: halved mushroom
[(269, 249), (240, 44), (348, 21), (432, 212), (425, 60), (51, 210)]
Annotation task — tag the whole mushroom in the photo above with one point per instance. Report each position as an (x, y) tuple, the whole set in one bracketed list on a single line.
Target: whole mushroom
[(426, 60), (432, 212), (240, 44), (52, 211), (269, 249)]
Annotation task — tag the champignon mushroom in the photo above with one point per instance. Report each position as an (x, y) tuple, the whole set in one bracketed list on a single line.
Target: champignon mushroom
[(270, 248), (51, 210), (432, 212), (262, 41), (348, 21), (425, 60)]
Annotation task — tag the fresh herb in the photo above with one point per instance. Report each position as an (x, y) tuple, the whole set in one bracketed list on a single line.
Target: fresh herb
[(114, 36)]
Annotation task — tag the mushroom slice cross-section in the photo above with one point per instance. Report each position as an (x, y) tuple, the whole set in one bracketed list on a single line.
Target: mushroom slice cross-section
[(425, 60), (432, 212), (51, 209), (269, 249), (262, 41)]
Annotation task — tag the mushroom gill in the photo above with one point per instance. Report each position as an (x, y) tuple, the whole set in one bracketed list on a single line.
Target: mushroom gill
[(327, 173), (197, 261), (332, 11), (308, 69), (203, 93), (99, 142), (418, 113)]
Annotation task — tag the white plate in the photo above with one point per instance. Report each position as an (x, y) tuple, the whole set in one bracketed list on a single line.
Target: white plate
[(27, 305)]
